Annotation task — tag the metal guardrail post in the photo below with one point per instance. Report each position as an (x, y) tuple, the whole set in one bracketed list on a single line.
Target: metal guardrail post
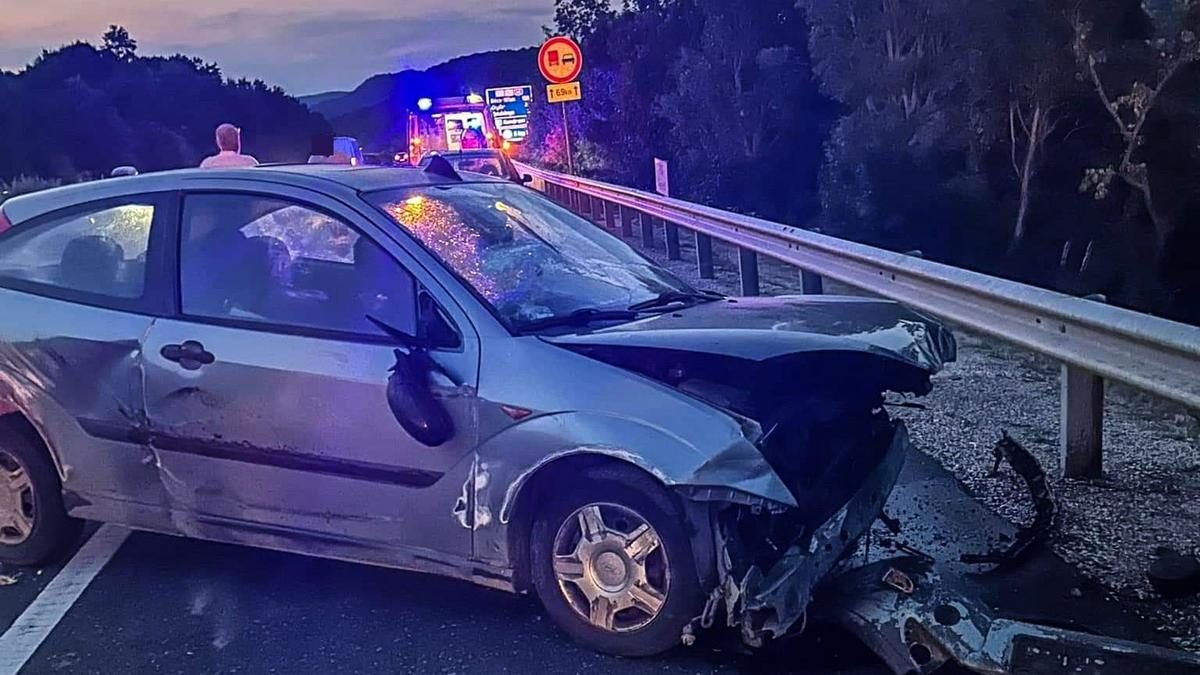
[(626, 222), (610, 215), (1081, 423), (811, 283), (672, 236), (704, 259), (647, 229), (748, 270)]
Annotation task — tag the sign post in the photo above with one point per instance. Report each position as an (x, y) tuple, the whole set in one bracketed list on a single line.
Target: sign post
[(662, 185), (560, 59)]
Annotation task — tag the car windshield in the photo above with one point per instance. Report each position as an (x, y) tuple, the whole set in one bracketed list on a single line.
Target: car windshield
[(529, 258)]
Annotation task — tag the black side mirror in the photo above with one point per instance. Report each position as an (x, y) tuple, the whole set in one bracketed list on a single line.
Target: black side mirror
[(412, 402), (526, 178)]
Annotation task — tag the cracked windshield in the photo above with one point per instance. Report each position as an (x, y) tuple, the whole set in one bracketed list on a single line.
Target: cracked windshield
[(855, 337)]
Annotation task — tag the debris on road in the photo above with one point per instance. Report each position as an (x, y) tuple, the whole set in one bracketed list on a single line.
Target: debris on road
[(917, 620), (1044, 505), (7, 580), (1173, 574)]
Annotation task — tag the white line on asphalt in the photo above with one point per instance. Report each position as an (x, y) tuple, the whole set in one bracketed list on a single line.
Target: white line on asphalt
[(30, 629)]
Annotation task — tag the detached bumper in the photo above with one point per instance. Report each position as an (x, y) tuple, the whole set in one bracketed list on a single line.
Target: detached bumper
[(767, 601), (917, 621)]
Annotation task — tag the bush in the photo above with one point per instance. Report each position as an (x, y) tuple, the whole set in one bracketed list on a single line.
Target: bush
[(25, 184)]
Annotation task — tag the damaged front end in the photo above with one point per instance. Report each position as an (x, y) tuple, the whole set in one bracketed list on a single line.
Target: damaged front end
[(808, 379), (769, 565)]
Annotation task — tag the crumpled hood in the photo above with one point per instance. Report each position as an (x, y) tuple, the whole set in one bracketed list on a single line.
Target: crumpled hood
[(763, 328)]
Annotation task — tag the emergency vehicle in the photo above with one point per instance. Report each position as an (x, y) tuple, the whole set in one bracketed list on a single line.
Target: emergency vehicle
[(450, 125)]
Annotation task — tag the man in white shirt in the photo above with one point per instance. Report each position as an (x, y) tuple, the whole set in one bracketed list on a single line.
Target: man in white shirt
[(229, 142)]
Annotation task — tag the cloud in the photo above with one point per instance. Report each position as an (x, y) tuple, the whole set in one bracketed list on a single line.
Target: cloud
[(309, 47)]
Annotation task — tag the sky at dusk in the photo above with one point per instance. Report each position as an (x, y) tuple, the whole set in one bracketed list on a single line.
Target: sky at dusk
[(305, 46)]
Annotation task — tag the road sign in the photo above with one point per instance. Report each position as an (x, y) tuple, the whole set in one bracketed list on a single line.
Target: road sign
[(560, 60), (561, 93), (510, 110), (662, 183)]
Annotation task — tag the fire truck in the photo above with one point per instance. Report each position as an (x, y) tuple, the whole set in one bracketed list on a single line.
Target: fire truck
[(450, 125)]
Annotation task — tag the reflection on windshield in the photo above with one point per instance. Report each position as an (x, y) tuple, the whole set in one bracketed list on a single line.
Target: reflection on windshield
[(437, 226), (528, 257)]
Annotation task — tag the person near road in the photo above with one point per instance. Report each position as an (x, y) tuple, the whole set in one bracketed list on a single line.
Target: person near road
[(229, 145)]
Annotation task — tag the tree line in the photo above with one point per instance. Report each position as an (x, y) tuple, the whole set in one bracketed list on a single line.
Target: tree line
[(80, 110), (1052, 141)]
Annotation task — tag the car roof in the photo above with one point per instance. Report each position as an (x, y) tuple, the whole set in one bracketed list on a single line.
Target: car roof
[(321, 177)]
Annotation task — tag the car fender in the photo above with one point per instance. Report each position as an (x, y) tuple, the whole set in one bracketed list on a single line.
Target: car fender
[(506, 463)]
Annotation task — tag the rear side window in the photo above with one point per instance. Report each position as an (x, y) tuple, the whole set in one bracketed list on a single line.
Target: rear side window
[(99, 251)]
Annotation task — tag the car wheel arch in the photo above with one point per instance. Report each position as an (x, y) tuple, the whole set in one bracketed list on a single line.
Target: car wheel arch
[(14, 420), (534, 487)]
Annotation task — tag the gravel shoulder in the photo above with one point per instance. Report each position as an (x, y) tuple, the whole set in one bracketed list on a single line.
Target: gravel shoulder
[(1108, 528)]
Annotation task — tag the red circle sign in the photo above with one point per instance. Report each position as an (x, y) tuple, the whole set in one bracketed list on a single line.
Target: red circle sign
[(560, 60)]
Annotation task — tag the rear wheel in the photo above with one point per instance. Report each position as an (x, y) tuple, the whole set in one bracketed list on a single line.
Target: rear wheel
[(34, 526), (613, 566)]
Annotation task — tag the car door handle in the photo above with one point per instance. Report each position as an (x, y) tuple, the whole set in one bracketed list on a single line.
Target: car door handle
[(190, 355)]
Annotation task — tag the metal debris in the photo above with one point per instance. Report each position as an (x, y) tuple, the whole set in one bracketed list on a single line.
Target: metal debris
[(1044, 504), (1173, 574), (6, 580)]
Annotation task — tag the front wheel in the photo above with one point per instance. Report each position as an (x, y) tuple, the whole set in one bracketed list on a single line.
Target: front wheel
[(613, 566)]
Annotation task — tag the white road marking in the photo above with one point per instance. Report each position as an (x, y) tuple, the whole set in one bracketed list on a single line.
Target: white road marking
[(27, 633)]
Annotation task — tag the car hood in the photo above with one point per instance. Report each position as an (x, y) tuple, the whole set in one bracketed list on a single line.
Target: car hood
[(760, 329)]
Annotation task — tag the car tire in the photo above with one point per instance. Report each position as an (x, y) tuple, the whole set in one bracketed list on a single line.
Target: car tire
[(40, 498), (620, 491)]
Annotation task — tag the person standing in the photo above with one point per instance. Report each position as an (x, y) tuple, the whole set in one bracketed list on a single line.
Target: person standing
[(229, 145)]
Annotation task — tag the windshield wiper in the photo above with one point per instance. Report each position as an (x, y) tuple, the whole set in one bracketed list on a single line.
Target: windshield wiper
[(580, 317), (673, 297)]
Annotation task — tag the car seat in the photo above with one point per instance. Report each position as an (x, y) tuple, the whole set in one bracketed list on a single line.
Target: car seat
[(92, 263)]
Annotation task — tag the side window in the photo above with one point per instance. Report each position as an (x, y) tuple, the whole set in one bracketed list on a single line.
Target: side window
[(264, 259), (100, 251)]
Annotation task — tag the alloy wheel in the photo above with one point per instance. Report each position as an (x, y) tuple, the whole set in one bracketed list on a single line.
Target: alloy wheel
[(611, 567), (16, 501)]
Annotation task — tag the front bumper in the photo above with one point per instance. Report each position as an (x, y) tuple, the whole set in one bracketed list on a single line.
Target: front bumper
[(766, 601), (917, 620)]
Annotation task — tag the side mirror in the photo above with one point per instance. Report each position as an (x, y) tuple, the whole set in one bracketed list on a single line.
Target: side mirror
[(526, 178), (412, 402)]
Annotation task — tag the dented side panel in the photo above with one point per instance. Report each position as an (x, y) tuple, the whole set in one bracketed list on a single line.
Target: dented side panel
[(295, 433), (75, 371)]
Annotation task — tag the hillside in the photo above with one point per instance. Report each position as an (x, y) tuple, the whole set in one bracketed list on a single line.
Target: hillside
[(375, 111)]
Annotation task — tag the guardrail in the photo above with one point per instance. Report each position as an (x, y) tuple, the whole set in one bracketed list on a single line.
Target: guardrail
[(1092, 340)]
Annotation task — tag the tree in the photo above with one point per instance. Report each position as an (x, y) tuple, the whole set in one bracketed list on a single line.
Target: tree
[(905, 164), (130, 120), (1170, 49), (118, 43), (580, 19)]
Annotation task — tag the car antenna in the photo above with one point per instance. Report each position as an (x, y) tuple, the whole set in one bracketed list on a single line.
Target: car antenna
[(439, 166)]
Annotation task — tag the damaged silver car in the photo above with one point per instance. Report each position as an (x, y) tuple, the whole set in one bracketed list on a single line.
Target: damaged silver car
[(443, 373)]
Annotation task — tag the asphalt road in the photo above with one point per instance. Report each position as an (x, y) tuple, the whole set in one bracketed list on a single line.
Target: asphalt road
[(169, 605)]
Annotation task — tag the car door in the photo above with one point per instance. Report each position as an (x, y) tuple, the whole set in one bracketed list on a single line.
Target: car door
[(75, 301), (267, 392)]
